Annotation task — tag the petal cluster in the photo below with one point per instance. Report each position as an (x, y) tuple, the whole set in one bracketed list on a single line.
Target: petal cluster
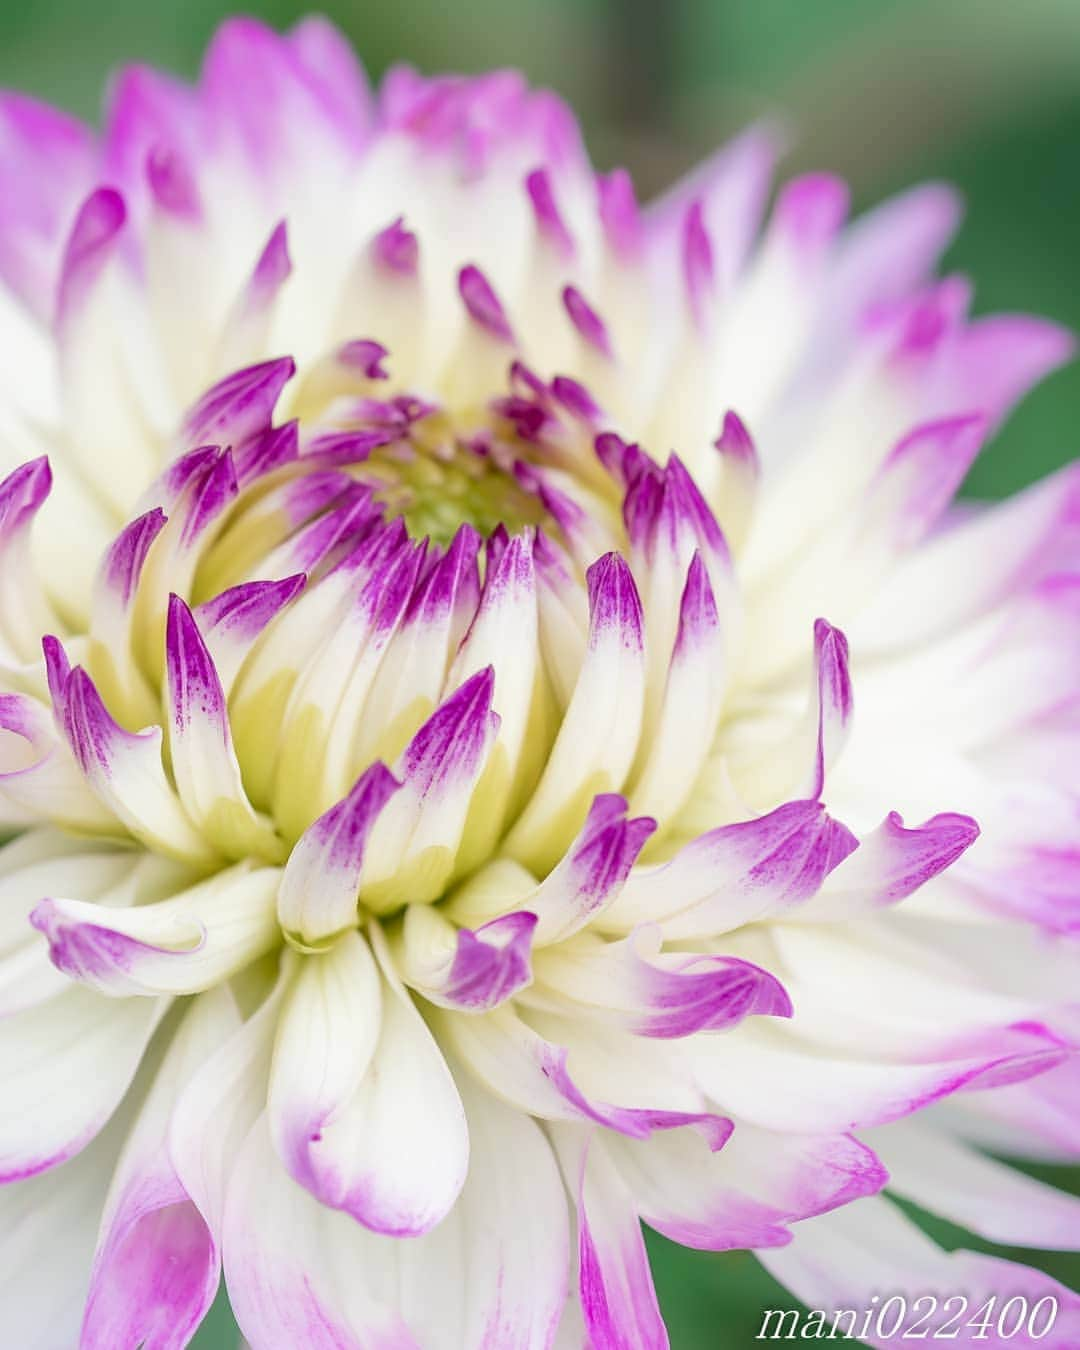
[(506, 734)]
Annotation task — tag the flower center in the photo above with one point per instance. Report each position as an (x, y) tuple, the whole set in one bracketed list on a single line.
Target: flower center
[(441, 475), (481, 461)]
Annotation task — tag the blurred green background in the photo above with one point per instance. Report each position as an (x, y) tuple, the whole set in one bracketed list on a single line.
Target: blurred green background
[(985, 93)]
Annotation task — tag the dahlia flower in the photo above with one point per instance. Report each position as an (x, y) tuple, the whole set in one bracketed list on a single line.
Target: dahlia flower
[(506, 735)]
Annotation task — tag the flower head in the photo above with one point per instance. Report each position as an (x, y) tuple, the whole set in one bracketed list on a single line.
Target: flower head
[(467, 642)]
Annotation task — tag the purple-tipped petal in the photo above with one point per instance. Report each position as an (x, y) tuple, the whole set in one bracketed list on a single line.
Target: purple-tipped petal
[(240, 405), (832, 679), (345, 1088), (666, 995), (183, 945), (619, 213), (318, 894), (593, 871), (586, 320), (172, 184), (546, 211), (482, 304), (736, 443), (922, 474), (266, 452), (736, 873), (445, 753), (91, 243), (892, 863), (810, 212), (490, 964), (123, 563), (365, 356), (464, 969), (396, 249), (614, 603), (699, 266), (37, 208), (126, 772)]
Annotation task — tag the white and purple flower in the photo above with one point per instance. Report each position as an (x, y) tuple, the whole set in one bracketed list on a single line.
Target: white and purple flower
[(471, 790)]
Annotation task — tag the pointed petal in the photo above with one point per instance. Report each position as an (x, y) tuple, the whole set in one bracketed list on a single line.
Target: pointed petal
[(126, 773), (318, 895), (890, 864), (415, 842), (598, 738), (204, 762)]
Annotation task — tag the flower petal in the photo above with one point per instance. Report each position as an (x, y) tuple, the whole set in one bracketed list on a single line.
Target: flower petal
[(370, 1120), (318, 895), (72, 1059), (735, 874), (598, 738), (178, 946), (156, 1268), (200, 743), (464, 970)]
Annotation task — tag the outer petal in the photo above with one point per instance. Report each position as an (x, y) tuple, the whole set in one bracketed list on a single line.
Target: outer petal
[(717, 1193), (844, 1259), (614, 1281), (735, 874), (501, 1254), (778, 1083), (947, 1177), (652, 994), (367, 1116), (890, 865), (67, 1064), (48, 1226), (296, 1270), (156, 1267)]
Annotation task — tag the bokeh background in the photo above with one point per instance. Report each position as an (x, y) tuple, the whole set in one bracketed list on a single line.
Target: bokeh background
[(985, 93)]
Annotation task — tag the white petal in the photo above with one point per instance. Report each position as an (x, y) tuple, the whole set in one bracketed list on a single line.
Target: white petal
[(66, 1065)]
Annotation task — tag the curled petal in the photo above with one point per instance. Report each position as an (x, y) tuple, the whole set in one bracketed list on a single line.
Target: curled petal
[(666, 995), (735, 873), (891, 864), (182, 945), (462, 969)]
